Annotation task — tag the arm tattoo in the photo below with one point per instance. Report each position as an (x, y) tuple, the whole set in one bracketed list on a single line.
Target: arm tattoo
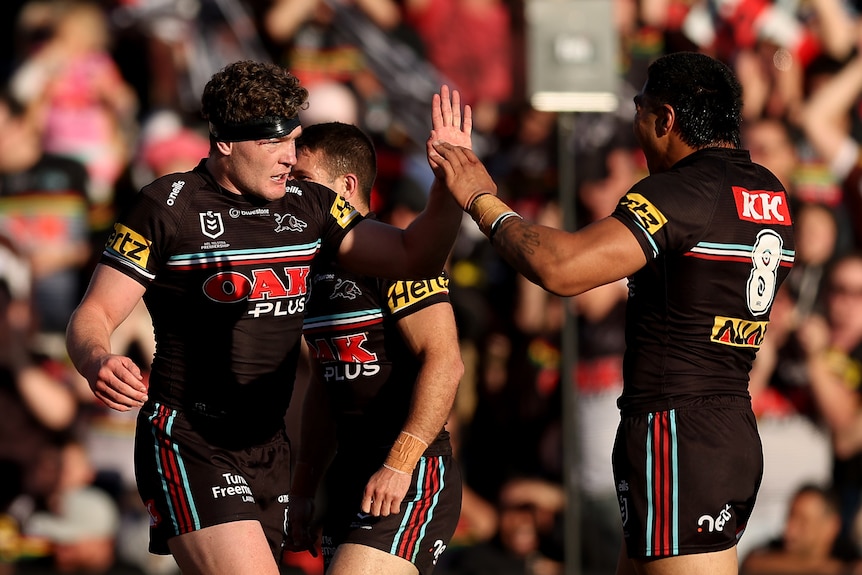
[(516, 241)]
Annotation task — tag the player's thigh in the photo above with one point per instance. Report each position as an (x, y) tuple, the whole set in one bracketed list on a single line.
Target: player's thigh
[(717, 563), (353, 559), (236, 548), (714, 563)]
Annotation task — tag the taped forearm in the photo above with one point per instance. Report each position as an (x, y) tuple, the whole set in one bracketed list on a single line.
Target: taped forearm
[(489, 212), (405, 453)]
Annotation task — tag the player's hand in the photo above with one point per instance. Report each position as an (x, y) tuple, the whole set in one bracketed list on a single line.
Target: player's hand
[(447, 123), (385, 491), (462, 172), (117, 382), (297, 532)]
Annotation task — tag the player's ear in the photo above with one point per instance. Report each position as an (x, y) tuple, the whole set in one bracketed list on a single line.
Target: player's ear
[(351, 186), (666, 118), (224, 147)]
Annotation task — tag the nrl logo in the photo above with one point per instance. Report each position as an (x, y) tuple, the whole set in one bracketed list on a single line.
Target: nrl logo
[(211, 224)]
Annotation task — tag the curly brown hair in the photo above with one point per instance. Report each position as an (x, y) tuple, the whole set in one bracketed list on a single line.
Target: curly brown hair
[(247, 90)]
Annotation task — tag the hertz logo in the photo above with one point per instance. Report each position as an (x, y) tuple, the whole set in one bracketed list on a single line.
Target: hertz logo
[(403, 294), (738, 332), (343, 212), (647, 214), (130, 245)]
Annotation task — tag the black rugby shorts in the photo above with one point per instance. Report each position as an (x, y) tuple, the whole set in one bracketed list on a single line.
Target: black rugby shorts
[(687, 478)]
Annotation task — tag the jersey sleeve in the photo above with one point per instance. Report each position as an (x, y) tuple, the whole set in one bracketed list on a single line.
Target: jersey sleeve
[(405, 297), (139, 242), (660, 222), (338, 217)]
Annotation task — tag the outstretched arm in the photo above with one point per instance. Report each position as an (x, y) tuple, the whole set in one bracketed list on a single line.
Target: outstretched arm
[(432, 336), (564, 263), (420, 250)]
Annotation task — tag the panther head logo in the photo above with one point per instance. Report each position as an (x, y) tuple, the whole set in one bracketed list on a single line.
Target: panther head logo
[(346, 289), (289, 223)]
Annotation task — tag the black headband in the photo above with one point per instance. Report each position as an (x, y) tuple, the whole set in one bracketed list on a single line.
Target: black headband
[(258, 129)]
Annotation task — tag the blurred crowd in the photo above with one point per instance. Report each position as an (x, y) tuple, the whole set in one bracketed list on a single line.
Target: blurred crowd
[(100, 97)]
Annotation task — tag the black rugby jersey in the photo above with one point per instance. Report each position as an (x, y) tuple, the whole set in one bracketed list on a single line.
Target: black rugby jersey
[(226, 279), (717, 233), (350, 327)]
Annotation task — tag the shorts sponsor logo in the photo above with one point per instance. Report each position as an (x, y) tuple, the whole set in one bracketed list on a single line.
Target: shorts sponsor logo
[(738, 332), (649, 216), (233, 486), (362, 521), (761, 206), (622, 490), (343, 212), (212, 225), (403, 294), (437, 550), (155, 516), (712, 524), (327, 548), (130, 245)]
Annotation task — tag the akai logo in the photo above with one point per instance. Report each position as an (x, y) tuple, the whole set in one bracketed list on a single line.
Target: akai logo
[(343, 212), (649, 216), (762, 206)]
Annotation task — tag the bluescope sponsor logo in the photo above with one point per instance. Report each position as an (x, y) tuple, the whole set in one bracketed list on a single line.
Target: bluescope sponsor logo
[(343, 212), (403, 294), (238, 213), (129, 245), (738, 332), (647, 214), (761, 206)]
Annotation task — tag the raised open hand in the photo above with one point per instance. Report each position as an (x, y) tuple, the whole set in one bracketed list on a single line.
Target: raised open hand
[(447, 122)]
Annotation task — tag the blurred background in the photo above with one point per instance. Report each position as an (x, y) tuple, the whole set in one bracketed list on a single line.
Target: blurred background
[(100, 97)]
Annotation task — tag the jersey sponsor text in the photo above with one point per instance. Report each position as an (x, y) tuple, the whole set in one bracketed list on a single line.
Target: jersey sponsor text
[(761, 206), (129, 245)]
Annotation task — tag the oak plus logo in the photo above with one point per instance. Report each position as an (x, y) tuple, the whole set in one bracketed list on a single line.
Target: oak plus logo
[(761, 206), (212, 225), (271, 293)]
